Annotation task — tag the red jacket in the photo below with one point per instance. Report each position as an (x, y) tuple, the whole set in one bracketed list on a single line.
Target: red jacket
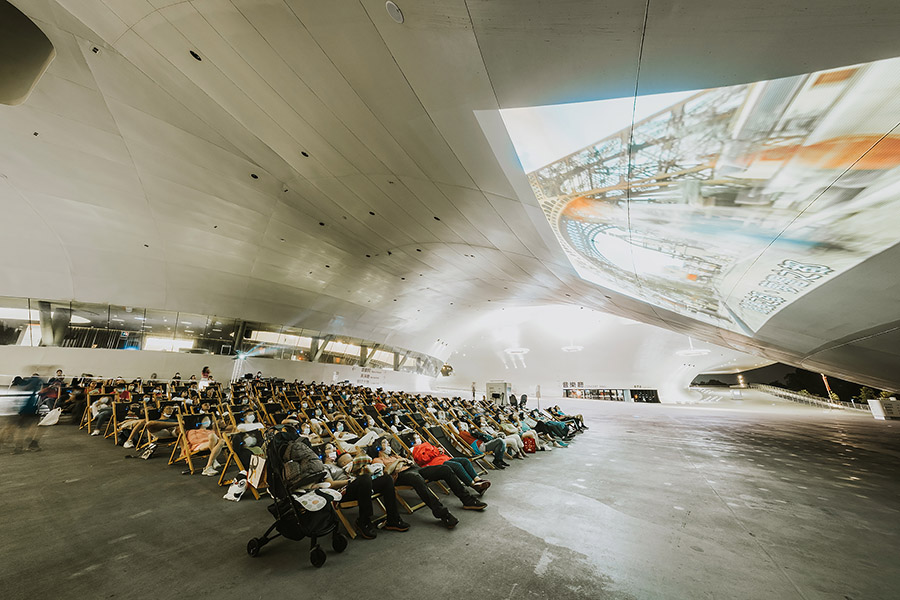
[(427, 455)]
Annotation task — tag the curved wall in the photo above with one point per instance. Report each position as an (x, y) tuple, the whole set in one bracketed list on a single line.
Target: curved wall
[(615, 353)]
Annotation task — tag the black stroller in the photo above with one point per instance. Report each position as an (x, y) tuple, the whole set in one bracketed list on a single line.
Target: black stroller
[(292, 520)]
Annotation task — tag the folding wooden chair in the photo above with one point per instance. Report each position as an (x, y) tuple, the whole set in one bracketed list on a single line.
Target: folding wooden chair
[(339, 508), (185, 424), (234, 458)]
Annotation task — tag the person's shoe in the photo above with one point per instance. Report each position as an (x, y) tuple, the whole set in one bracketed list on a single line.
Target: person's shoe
[(499, 466), (95, 432), (128, 444), (449, 520), (504, 463), (398, 525), (481, 487), (472, 503), (366, 530), (34, 446), (209, 472), (217, 464)]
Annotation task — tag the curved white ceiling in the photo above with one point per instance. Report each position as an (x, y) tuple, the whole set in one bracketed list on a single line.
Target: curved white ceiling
[(127, 175)]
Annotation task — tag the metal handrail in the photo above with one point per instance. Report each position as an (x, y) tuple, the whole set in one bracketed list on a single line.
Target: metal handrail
[(810, 399)]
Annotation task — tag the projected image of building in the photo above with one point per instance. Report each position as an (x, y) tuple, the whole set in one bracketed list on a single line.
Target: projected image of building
[(733, 202)]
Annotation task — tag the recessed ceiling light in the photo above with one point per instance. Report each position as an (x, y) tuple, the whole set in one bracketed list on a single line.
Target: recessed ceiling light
[(254, 175), (305, 154), (195, 55), (437, 218), (371, 213), (394, 11), (322, 224)]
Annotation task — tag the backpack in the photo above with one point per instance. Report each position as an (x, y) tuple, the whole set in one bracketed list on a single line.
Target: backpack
[(424, 453), (301, 465), (530, 445)]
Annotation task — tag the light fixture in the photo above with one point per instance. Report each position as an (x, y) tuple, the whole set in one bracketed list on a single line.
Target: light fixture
[(572, 348), (517, 351), (394, 11)]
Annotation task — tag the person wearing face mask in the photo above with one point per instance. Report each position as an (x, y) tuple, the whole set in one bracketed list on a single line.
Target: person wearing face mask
[(202, 438), (372, 426), (494, 446), (248, 422), (101, 411), (350, 442), (427, 455), (165, 427), (305, 430), (360, 488), (406, 472), (514, 444)]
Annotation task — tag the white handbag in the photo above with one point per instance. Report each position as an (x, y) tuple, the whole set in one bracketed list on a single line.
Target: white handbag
[(51, 418)]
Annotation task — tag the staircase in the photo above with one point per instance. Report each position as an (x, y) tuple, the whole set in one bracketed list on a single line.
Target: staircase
[(808, 399)]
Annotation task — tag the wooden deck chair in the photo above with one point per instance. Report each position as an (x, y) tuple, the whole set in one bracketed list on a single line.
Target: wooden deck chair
[(406, 452), (456, 446), (181, 450), (233, 458), (340, 507), (268, 409), (145, 437), (120, 410)]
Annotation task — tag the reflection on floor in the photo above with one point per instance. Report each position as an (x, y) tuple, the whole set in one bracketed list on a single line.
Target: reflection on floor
[(654, 501)]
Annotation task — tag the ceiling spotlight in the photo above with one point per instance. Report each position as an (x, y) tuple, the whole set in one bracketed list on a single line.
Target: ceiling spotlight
[(394, 11), (572, 348)]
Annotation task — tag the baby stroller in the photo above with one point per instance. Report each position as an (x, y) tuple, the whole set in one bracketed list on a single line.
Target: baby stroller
[(298, 512)]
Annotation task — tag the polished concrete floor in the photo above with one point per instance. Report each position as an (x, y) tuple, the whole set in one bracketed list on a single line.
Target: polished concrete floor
[(731, 500)]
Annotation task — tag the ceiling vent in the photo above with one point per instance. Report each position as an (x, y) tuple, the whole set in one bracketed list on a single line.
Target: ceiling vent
[(25, 53)]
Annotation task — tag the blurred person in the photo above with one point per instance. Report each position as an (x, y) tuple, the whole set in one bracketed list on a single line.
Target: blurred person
[(25, 421)]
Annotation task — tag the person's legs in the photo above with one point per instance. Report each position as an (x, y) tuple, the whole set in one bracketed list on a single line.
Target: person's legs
[(101, 420), (413, 479), (446, 474), (215, 447), (459, 471), (496, 447), (466, 465), (360, 490), (384, 485)]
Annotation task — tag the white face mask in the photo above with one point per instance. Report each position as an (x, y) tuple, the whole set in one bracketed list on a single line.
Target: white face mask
[(463, 427), (205, 423), (332, 455), (318, 412), (250, 418), (250, 441), (340, 426), (305, 430), (370, 423), (417, 441), (387, 450), (303, 405)]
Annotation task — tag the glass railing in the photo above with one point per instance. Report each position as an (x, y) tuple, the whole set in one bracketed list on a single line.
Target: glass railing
[(33, 322)]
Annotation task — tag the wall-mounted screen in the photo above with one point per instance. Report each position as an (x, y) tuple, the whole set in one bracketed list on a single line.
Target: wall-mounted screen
[(724, 204)]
